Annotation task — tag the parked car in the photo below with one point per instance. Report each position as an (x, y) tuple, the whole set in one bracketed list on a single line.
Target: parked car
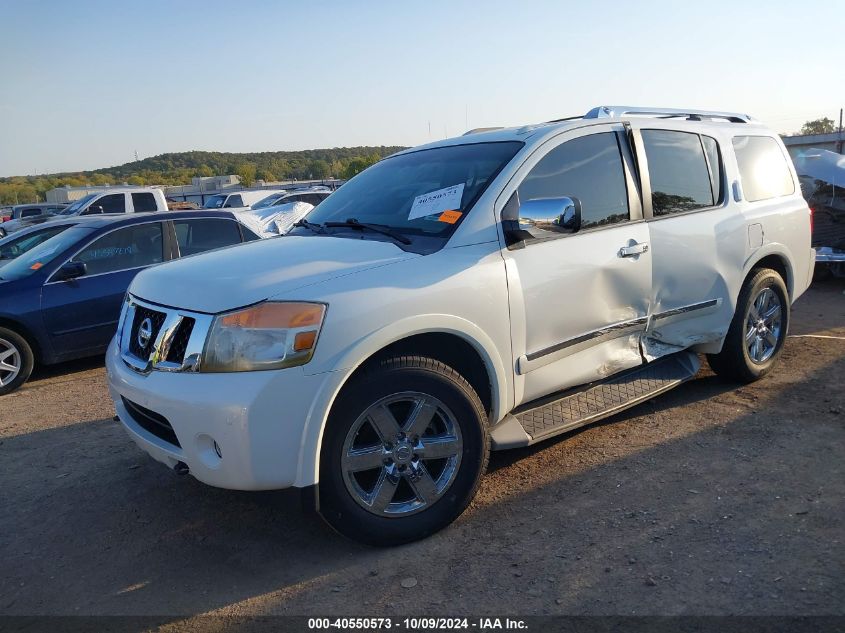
[(61, 299), (112, 201), (822, 176), (273, 221), (487, 291), (30, 211), (310, 195), (277, 214), (238, 199)]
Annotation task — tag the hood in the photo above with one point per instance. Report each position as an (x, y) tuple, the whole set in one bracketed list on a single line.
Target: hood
[(241, 275)]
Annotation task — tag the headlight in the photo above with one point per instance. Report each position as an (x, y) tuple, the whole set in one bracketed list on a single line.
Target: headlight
[(270, 335)]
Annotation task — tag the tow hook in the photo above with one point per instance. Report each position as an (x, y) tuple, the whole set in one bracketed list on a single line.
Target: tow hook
[(181, 468)]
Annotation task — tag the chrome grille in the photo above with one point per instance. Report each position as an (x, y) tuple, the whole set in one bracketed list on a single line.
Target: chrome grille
[(176, 353), (176, 337)]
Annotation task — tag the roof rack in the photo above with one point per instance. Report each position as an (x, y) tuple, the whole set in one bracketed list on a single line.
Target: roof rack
[(602, 112), (482, 129)]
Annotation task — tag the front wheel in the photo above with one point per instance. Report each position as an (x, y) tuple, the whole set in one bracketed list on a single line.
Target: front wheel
[(16, 360), (758, 329), (405, 448)]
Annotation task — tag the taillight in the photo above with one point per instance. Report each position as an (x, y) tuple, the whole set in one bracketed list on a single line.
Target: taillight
[(811, 219), (5, 218)]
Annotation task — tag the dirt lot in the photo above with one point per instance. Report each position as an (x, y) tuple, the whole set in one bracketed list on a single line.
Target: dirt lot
[(711, 499)]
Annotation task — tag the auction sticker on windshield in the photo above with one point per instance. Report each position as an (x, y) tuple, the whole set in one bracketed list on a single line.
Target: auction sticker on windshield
[(436, 202)]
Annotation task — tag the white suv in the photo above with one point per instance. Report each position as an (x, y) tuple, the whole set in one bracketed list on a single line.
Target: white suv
[(487, 291)]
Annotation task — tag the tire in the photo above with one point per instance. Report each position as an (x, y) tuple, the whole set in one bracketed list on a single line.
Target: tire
[(742, 361), (397, 494), (14, 352)]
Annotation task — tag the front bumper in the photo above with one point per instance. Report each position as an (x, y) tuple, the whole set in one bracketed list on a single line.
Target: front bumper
[(259, 421)]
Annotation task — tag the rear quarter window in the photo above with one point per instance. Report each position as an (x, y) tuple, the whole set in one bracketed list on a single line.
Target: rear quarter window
[(763, 168)]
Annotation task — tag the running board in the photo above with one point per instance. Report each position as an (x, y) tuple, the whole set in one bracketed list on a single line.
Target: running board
[(592, 402)]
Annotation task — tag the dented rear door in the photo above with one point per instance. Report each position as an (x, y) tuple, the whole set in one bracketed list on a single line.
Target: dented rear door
[(698, 239)]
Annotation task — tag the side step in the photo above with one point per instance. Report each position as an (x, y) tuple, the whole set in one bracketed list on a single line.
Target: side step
[(594, 401)]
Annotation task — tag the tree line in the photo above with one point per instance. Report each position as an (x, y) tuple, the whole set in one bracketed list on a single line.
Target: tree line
[(179, 168)]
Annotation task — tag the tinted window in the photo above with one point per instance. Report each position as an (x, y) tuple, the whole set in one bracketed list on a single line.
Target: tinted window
[(144, 202), (249, 236), (588, 168), (129, 247), (114, 203), (29, 213), (214, 202), (14, 246), (763, 168), (39, 256), (313, 198), (269, 201), (199, 235), (235, 201), (677, 169)]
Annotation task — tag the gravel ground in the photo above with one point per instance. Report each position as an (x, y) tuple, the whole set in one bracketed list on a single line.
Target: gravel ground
[(711, 499)]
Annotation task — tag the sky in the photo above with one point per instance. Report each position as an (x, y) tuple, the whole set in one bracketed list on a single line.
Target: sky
[(86, 84)]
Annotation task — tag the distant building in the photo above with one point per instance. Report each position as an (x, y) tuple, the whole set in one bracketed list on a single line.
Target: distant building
[(66, 194), (797, 144)]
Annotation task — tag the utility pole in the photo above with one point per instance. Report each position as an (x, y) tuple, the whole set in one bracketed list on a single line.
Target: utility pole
[(839, 142)]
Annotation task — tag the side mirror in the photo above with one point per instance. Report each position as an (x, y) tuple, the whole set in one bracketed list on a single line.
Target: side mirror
[(558, 215), (93, 209), (528, 220), (70, 270)]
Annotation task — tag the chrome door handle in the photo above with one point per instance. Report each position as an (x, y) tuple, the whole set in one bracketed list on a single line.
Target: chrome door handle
[(633, 250)]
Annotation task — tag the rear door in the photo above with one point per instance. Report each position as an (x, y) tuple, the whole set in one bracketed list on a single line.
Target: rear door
[(698, 240), (81, 314)]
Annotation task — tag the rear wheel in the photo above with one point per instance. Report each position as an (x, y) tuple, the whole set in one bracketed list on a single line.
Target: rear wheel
[(405, 448), (758, 330), (16, 360)]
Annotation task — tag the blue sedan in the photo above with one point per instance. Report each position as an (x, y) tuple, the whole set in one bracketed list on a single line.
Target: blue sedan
[(60, 298)]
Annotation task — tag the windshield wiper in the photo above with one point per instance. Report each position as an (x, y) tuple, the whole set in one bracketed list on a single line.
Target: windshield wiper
[(376, 228), (317, 228)]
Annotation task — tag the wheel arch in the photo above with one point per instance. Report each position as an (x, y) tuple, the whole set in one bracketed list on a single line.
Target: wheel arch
[(442, 337), (777, 259), (27, 334)]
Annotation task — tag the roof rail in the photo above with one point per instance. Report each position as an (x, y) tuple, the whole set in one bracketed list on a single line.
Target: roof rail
[(482, 129), (602, 112)]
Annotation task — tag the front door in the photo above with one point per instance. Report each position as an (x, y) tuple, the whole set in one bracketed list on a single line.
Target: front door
[(81, 314), (579, 301)]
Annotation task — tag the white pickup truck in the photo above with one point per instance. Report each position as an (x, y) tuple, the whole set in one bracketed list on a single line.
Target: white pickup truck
[(113, 200)]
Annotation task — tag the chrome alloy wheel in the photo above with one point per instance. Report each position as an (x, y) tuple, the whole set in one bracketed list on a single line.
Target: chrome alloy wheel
[(10, 362), (763, 326), (401, 454)]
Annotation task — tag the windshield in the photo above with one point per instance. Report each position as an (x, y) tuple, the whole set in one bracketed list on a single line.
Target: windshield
[(42, 254), (423, 193), (17, 245), (214, 202), (77, 206), (269, 201)]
